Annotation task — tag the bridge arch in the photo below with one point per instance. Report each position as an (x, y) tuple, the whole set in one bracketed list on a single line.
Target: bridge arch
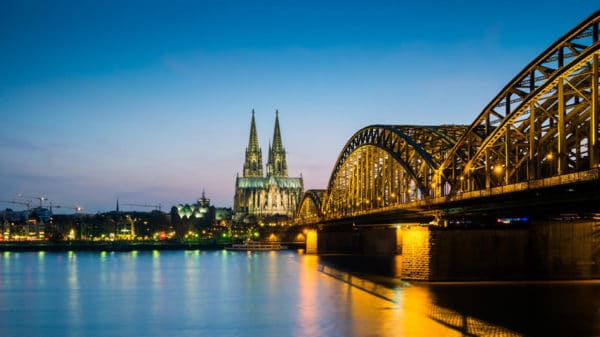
[(543, 123), (384, 165), (309, 209)]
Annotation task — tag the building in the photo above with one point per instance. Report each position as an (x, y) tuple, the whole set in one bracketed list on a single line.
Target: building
[(201, 209), (24, 225), (204, 212), (260, 197)]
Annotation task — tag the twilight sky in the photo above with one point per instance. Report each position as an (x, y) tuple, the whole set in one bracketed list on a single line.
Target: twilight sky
[(149, 101)]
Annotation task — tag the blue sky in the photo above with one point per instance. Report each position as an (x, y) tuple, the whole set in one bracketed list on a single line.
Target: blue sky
[(149, 101)]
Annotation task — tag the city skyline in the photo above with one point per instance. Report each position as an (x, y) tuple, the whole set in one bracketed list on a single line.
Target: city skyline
[(151, 102)]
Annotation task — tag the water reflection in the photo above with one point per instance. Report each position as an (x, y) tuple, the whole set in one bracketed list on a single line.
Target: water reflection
[(75, 320), (563, 308), (38, 276), (308, 304), (363, 307), (220, 293), (566, 308)]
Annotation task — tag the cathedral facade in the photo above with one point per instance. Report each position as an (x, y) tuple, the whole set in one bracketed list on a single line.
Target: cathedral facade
[(274, 195)]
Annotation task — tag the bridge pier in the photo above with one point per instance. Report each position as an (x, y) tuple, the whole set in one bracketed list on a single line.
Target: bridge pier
[(355, 240), (544, 249), (362, 249), (370, 249)]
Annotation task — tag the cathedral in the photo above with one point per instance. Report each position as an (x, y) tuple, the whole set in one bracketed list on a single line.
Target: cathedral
[(274, 196)]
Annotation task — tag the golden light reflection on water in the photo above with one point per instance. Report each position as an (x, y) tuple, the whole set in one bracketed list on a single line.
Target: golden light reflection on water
[(308, 308), (366, 308), (415, 321)]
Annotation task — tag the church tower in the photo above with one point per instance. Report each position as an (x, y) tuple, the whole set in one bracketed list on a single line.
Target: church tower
[(270, 199), (277, 165), (253, 164)]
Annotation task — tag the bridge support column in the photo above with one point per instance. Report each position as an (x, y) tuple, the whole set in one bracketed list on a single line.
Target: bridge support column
[(416, 253), (311, 241), (545, 249)]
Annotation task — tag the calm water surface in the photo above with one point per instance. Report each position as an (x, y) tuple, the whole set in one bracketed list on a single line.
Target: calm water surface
[(220, 293)]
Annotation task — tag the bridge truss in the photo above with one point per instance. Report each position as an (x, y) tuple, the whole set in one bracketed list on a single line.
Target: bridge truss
[(384, 165), (309, 210), (543, 124)]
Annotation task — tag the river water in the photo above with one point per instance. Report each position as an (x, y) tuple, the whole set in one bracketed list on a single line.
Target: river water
[(221, 293)]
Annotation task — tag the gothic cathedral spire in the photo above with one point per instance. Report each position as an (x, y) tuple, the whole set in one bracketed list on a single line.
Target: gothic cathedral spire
[(253, 163), (277, 165), (258, 197)]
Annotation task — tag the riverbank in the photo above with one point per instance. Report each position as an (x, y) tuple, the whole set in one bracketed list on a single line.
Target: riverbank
[(109, 246), (105, 246)]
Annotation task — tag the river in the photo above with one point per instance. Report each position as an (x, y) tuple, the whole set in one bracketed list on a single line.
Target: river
[(222, 293)]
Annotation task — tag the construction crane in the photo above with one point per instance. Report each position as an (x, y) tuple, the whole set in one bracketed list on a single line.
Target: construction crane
[(26, 203), (40, 198), (156, 207)]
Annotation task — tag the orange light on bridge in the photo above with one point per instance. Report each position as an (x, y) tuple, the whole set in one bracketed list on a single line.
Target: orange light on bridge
[(300, 238), (311, 241), (498, 169)]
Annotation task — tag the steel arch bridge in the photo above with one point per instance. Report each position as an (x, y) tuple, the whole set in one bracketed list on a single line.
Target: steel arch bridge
[(309, 209), (541, 129)]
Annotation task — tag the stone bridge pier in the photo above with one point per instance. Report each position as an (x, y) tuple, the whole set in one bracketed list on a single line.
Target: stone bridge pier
[(541, 249)]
